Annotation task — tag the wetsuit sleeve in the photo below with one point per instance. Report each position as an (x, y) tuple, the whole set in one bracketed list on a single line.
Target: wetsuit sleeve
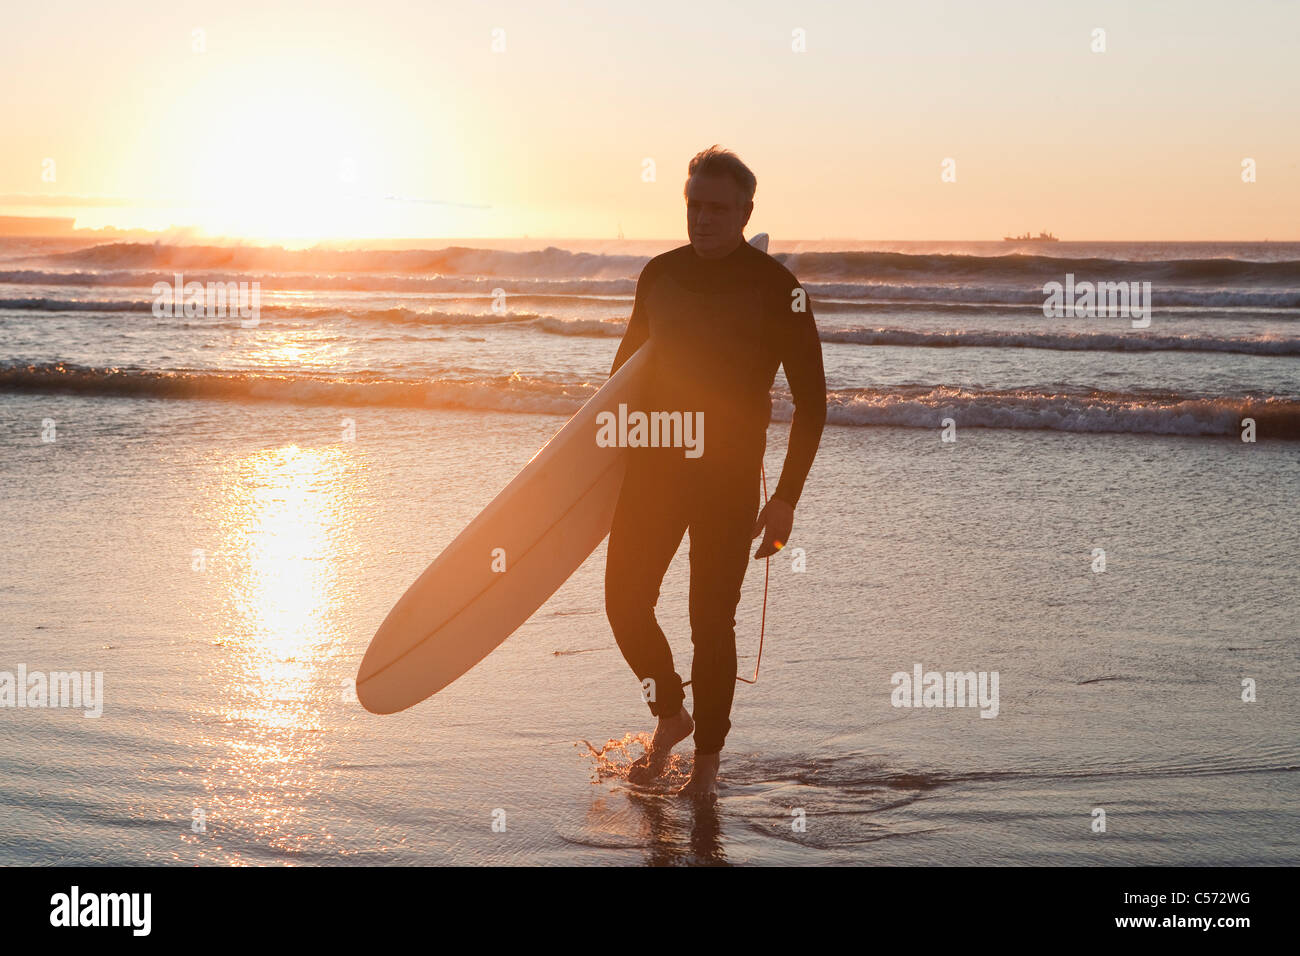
[(802, 358), (638, 326)]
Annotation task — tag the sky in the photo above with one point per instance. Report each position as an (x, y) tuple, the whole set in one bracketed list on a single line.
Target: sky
[(347, 120)]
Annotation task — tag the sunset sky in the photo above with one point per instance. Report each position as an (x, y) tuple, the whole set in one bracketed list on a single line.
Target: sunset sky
[(331, 119)]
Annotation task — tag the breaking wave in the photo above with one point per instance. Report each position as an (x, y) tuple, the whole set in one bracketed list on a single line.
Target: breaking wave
[(913, 406), (1065, 341)]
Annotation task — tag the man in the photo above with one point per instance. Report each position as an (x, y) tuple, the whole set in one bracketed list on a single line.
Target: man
[(722, 317)]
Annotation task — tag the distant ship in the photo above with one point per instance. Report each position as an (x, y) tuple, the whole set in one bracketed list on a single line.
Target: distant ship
[(1041, 237)]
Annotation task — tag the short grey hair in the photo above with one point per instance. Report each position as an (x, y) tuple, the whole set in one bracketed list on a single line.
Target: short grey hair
[(716, 161)]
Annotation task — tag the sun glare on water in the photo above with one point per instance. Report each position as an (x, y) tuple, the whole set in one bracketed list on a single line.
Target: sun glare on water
[(284, 524), (284, 518)]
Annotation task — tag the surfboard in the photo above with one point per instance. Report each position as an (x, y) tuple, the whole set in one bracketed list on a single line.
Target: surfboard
[(509, 559)]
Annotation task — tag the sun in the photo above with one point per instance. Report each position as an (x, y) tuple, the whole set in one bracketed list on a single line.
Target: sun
[(287, 150), (289, 166)]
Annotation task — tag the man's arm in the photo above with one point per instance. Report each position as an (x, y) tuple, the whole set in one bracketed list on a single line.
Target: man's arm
[(638, 326), (802, 358)]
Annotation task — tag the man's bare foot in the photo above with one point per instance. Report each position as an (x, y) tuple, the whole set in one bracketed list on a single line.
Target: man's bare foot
[(669, 732), (703, 784)]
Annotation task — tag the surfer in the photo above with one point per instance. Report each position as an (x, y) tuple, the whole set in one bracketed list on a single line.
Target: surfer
[(723, 316)]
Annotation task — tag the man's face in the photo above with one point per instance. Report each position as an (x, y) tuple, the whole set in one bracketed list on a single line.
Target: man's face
[(716, 213)]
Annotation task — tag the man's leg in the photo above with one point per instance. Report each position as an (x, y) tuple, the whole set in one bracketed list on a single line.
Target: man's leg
[(649, 522), (722, 527)]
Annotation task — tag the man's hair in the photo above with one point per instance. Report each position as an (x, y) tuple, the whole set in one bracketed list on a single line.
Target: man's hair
[(716, 161)]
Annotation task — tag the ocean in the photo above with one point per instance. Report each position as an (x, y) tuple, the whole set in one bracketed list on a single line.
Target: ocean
[(1098, 506)]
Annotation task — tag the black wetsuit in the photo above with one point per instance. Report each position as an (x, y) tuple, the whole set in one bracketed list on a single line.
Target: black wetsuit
[(720, 329)]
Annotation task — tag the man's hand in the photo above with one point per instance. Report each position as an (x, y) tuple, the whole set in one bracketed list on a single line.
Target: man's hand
[(778, 517)]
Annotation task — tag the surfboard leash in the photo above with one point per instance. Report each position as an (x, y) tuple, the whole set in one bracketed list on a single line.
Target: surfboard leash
[(762, 627)]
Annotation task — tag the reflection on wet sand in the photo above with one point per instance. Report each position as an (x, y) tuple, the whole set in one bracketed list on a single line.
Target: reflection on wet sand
[(670, 829), (283, 525)]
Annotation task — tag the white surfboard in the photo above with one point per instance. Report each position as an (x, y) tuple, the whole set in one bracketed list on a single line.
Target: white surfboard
[(546, 522)]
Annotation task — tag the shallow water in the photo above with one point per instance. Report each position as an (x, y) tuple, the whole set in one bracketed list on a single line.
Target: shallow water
[(226, 688)]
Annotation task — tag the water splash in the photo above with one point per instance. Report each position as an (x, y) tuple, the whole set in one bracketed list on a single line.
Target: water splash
[(612, 760)]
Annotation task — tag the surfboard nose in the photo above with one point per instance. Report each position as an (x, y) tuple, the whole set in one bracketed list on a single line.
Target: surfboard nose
[(372, 701)]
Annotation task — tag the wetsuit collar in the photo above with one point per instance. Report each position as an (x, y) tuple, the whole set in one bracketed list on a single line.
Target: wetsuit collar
[(731, 258)]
